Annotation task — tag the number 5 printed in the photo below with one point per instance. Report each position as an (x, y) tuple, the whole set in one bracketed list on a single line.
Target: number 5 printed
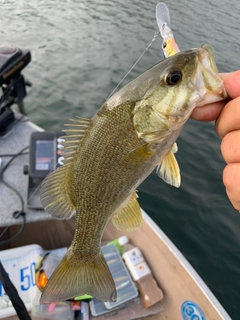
[(27, 277)]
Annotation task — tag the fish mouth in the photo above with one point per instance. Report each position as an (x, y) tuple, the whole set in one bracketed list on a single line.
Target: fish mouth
[(207, 81)]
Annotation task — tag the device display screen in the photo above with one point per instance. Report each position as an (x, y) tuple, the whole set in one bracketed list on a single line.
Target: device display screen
[(44, 155)]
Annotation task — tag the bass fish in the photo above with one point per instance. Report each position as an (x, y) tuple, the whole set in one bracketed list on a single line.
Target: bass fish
[(108, 156)]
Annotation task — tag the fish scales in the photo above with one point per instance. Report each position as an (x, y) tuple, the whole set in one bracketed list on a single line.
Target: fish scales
[(109, 157), (132, 133)]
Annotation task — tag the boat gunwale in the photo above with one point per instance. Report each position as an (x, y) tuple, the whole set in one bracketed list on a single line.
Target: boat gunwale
[(187, 266)]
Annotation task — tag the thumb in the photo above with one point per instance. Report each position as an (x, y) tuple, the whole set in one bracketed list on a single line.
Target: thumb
[(232, 83)]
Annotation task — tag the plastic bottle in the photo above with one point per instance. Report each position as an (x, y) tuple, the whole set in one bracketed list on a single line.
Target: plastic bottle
[(120, 243), (149, 291)]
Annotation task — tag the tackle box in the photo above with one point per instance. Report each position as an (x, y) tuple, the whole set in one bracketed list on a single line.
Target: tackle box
[(125, 287)]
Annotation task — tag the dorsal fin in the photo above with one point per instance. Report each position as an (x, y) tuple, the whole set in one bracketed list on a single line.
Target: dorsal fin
[(56, 189), (73, 136)]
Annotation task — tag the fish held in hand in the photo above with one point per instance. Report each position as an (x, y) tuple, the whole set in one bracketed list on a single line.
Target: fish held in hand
[(107, 157)]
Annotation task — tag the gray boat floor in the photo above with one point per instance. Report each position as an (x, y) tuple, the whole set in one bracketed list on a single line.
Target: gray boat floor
[(17, 139)]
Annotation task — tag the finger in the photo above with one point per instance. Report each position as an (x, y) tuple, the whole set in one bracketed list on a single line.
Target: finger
[(231, 180), (229, 119), (208, 112), (211, 112), (232, 83), (229, 148)]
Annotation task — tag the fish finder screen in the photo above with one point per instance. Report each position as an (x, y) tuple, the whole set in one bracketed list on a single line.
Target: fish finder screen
[(44, 155)]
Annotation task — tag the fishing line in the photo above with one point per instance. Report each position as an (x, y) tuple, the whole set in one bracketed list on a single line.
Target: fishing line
[(153, 39)]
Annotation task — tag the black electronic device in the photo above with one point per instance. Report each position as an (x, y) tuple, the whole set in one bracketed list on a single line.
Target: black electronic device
[(45, 155), (12, 83)]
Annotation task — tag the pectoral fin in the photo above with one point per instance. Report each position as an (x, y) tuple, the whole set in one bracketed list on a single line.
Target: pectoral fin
[(174, 147), (129, 216), (168, 169)]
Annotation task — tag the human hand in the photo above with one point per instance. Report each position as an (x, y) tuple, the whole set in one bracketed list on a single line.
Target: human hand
[(227, 116)]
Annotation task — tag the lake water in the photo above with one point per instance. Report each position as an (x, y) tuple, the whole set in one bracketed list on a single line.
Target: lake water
[(82, 49)]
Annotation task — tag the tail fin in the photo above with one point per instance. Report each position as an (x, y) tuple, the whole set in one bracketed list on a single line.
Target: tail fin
[(74, 277)]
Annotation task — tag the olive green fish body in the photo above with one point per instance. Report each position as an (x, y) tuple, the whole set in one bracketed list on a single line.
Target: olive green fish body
[(107, 157), (111, 167)]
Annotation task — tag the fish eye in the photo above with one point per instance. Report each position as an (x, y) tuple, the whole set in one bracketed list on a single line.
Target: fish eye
[(164, 44), (174, 77)]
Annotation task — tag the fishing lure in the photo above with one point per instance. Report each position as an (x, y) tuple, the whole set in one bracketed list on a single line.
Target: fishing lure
[(169, 46)]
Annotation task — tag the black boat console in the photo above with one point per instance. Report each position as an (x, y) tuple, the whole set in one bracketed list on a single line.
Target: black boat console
[(12, 83)]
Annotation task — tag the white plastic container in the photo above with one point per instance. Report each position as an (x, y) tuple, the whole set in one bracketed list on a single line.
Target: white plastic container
[(149, 291), (20, 264)]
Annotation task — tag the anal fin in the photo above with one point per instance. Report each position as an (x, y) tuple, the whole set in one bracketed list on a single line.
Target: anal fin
[(128, 217)]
